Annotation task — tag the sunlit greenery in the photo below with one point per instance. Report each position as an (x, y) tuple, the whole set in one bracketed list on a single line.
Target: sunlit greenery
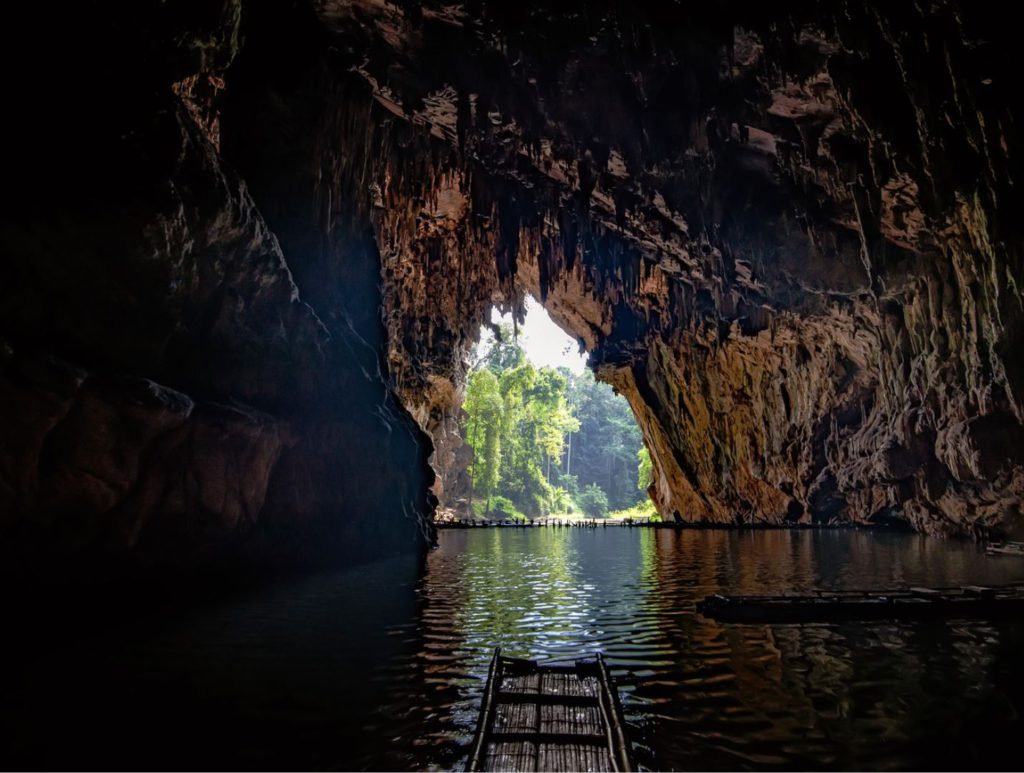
[(645, 470), (593, 501), (547, 441), (603, 450), (643, 510)]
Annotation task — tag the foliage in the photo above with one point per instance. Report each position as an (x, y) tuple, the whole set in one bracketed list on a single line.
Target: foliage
[(499, 351), (643, 510), (502, 507), (645, 469), (484, 405), (603, 451), (560, 501), (545, 440), (593, 501), (568, 482), (517, 421)]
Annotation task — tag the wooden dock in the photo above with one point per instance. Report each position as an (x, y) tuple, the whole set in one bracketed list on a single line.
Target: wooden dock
[(542, 523), (638, 523), (538, 717), (910, 603)]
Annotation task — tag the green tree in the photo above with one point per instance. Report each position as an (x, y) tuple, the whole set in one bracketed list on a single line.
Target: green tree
[(603, 451), (522, 479), (499, 351), (484, 410), (593, 501), (560, 501), (550, 411), (540, 435), (645, 469)]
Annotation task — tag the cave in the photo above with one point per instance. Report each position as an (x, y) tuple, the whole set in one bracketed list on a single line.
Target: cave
[(248, 249)]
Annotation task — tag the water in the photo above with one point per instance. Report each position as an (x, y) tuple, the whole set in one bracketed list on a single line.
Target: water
[(702, 695), (381, 666)]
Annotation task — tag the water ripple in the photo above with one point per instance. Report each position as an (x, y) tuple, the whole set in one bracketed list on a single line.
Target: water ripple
[(701, 695)]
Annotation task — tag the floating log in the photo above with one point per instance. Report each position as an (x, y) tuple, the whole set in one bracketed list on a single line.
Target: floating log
[(544, 717), (1005, 549), (908, 603)]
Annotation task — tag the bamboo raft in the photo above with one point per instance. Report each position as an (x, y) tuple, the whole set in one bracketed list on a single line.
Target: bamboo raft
[(910, 603), (541, 717), (1005, 549)]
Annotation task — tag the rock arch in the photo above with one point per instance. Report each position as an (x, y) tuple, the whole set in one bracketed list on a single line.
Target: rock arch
[(787, 234)]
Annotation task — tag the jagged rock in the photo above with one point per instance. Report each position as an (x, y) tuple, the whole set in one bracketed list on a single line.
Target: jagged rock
[(786, 233), (775, 230), (106, 462), (135, 249)]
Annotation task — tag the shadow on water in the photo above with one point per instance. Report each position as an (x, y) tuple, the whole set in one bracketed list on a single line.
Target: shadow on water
[(381, 665), (244, 675)]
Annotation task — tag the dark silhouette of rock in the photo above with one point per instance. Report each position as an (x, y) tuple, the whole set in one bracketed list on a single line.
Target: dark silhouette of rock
[(250, 245)]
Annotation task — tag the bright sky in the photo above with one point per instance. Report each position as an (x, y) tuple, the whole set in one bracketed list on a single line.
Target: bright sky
[(545, 343)]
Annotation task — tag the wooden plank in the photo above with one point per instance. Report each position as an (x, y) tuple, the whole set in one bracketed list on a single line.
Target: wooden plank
[(980, 590), (974, 601), (514, 718), (596, 739), (523, 683), (618, 745), (569, 684), (476, 759), (512, 756), (536, 717), (579, 720), (548, 700), (524, 666), (573, 757)]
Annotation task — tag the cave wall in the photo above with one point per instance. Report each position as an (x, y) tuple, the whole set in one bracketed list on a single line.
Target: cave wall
[(192, 365), (785, 234), (250, 245)]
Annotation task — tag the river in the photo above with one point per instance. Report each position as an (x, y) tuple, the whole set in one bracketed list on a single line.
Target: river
[(381, 665)]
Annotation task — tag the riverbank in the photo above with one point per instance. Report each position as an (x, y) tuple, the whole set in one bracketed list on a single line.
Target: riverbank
[(597, 523)]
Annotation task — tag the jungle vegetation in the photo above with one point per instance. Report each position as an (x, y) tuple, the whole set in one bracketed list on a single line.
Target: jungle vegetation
[(547, 441)]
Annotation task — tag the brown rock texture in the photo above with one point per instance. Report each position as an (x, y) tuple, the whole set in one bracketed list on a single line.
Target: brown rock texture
[(781, 232), (127, 462), (252, 243), (169, 391)]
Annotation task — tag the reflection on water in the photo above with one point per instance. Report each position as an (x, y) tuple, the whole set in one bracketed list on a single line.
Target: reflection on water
[(701, 695), (381, 666)]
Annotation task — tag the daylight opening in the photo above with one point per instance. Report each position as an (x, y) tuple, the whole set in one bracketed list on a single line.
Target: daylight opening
[(548, 440)]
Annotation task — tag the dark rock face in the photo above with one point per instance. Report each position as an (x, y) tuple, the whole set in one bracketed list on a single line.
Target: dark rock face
[(252, 243), (206, 405), (782, 233), (125, 462)]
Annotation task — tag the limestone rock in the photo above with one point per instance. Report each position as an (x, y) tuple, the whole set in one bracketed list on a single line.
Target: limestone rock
[(266, 235)]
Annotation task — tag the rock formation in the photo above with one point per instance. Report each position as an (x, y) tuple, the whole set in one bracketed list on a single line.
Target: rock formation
[(250, 245), (776, 231), (169, 390)]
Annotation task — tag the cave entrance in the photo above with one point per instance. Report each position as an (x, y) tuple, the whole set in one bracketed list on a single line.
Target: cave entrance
[(543, 437)]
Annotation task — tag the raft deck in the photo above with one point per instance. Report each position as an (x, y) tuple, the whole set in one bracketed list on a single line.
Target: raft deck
[(542, 717), (909, 603)]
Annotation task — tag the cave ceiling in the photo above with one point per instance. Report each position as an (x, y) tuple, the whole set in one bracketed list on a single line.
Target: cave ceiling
[(254, 242), (775, 230)]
